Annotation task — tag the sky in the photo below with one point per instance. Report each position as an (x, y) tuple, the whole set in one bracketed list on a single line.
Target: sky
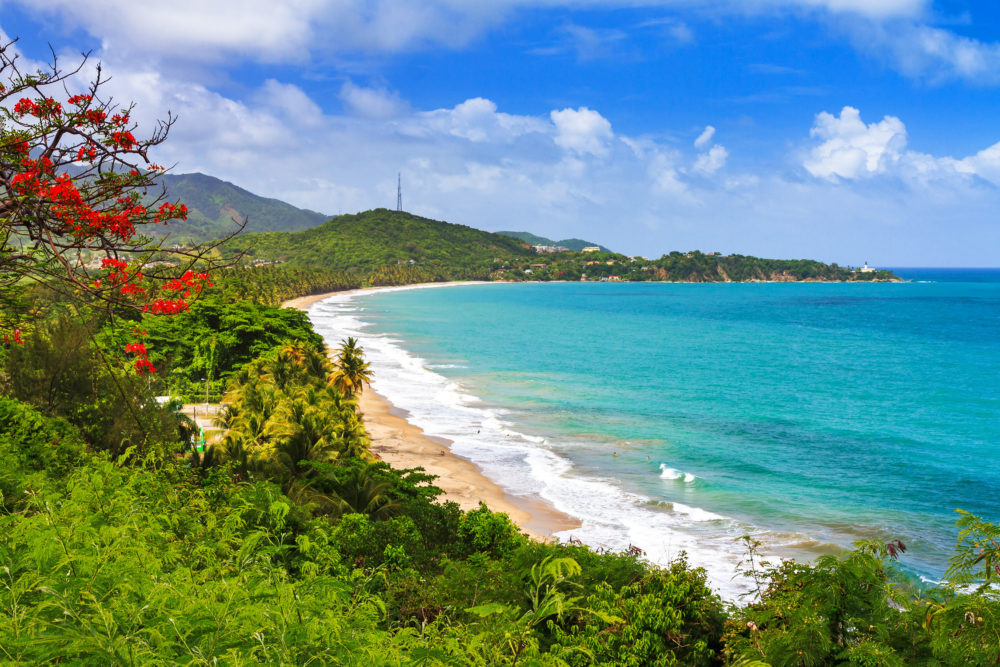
[(848, 131)]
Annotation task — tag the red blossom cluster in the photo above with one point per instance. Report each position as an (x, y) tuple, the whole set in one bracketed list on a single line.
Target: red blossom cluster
[(100, 211), (86, 153), (119, 276), (142, 363), (44, 108), (15, 337), (168, 211), (189, 281), (166, 307), (66, 205)]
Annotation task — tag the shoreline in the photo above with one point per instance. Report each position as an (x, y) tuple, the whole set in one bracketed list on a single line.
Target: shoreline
[(403, 445)]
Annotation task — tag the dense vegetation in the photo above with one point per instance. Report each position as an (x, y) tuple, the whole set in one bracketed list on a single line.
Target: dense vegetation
[(216, 208), (389, 247), (381, 238), (288, 542)]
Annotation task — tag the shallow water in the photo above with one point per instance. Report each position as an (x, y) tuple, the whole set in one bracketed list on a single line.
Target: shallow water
[(810, 415)]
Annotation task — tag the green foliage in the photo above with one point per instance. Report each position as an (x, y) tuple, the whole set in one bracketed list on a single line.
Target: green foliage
[(977, 554), (31, 442), (491, 533), (667, 617), (64, 371), (216, 338)]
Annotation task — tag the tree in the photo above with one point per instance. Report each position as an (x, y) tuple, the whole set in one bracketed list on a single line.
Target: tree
[(351, 370), (78, 203)]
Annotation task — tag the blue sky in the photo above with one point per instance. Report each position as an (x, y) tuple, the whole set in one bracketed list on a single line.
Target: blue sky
[(842, 130)]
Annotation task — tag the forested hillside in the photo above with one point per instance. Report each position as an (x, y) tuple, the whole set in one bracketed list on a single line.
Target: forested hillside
[(382, 238), (215, 207)]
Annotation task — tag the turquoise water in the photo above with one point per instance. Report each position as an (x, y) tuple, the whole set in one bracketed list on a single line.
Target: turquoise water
[(811, 415)]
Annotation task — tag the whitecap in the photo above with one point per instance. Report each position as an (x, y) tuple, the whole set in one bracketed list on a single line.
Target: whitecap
[(666, 472)]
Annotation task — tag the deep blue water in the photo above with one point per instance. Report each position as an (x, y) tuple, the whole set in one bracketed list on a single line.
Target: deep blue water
[(811, 415)]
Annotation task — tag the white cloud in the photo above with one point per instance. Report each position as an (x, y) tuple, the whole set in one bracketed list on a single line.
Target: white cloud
[(582, 130), (985, 164), (925, 52), (705, 137), (476, 120), (851, 149), (712, 161), (376, 103)]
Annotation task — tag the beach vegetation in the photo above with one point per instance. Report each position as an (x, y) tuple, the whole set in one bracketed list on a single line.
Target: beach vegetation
[(351, 371)]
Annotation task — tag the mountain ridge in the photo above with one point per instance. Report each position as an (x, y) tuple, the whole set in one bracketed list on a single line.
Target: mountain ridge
[(216, 208), (572, 244)]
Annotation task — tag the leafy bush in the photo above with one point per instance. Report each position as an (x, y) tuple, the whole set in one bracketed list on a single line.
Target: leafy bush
[(490, 533)]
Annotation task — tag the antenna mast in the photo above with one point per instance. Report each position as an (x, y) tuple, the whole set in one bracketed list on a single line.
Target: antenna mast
[(399, 191)]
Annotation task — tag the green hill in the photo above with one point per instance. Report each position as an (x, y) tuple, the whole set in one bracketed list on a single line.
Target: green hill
[(380, 238), (572, 244), (214, 204)]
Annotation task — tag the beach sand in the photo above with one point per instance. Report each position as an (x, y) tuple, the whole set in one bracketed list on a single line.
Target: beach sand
[(403, 445)]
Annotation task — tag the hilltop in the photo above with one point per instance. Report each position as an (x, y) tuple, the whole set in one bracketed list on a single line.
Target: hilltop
[(214, 205), (572, 244), (381, 238)]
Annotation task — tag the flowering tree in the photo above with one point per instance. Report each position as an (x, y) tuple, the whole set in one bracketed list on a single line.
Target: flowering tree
[(79, 200)]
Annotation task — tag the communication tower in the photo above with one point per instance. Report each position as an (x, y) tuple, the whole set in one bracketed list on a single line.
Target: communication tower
[(399, 192)]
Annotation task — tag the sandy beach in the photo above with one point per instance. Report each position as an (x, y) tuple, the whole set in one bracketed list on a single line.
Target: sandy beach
[(403, 445)]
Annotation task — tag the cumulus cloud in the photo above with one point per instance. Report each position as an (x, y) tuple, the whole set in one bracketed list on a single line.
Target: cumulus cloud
[(582, 130), (705, 137), (476, 120), (851, 149)]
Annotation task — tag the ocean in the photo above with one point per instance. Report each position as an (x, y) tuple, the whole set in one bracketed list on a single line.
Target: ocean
[(680, 417)]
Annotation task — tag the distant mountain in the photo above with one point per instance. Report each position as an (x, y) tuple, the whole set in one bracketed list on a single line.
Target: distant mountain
[(213, 205), (572, 244), (379, 238), (580, 244)]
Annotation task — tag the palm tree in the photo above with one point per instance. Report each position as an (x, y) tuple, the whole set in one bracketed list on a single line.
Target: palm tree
[(301, 432), (367, 495), (353, 438), (351, 371)]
